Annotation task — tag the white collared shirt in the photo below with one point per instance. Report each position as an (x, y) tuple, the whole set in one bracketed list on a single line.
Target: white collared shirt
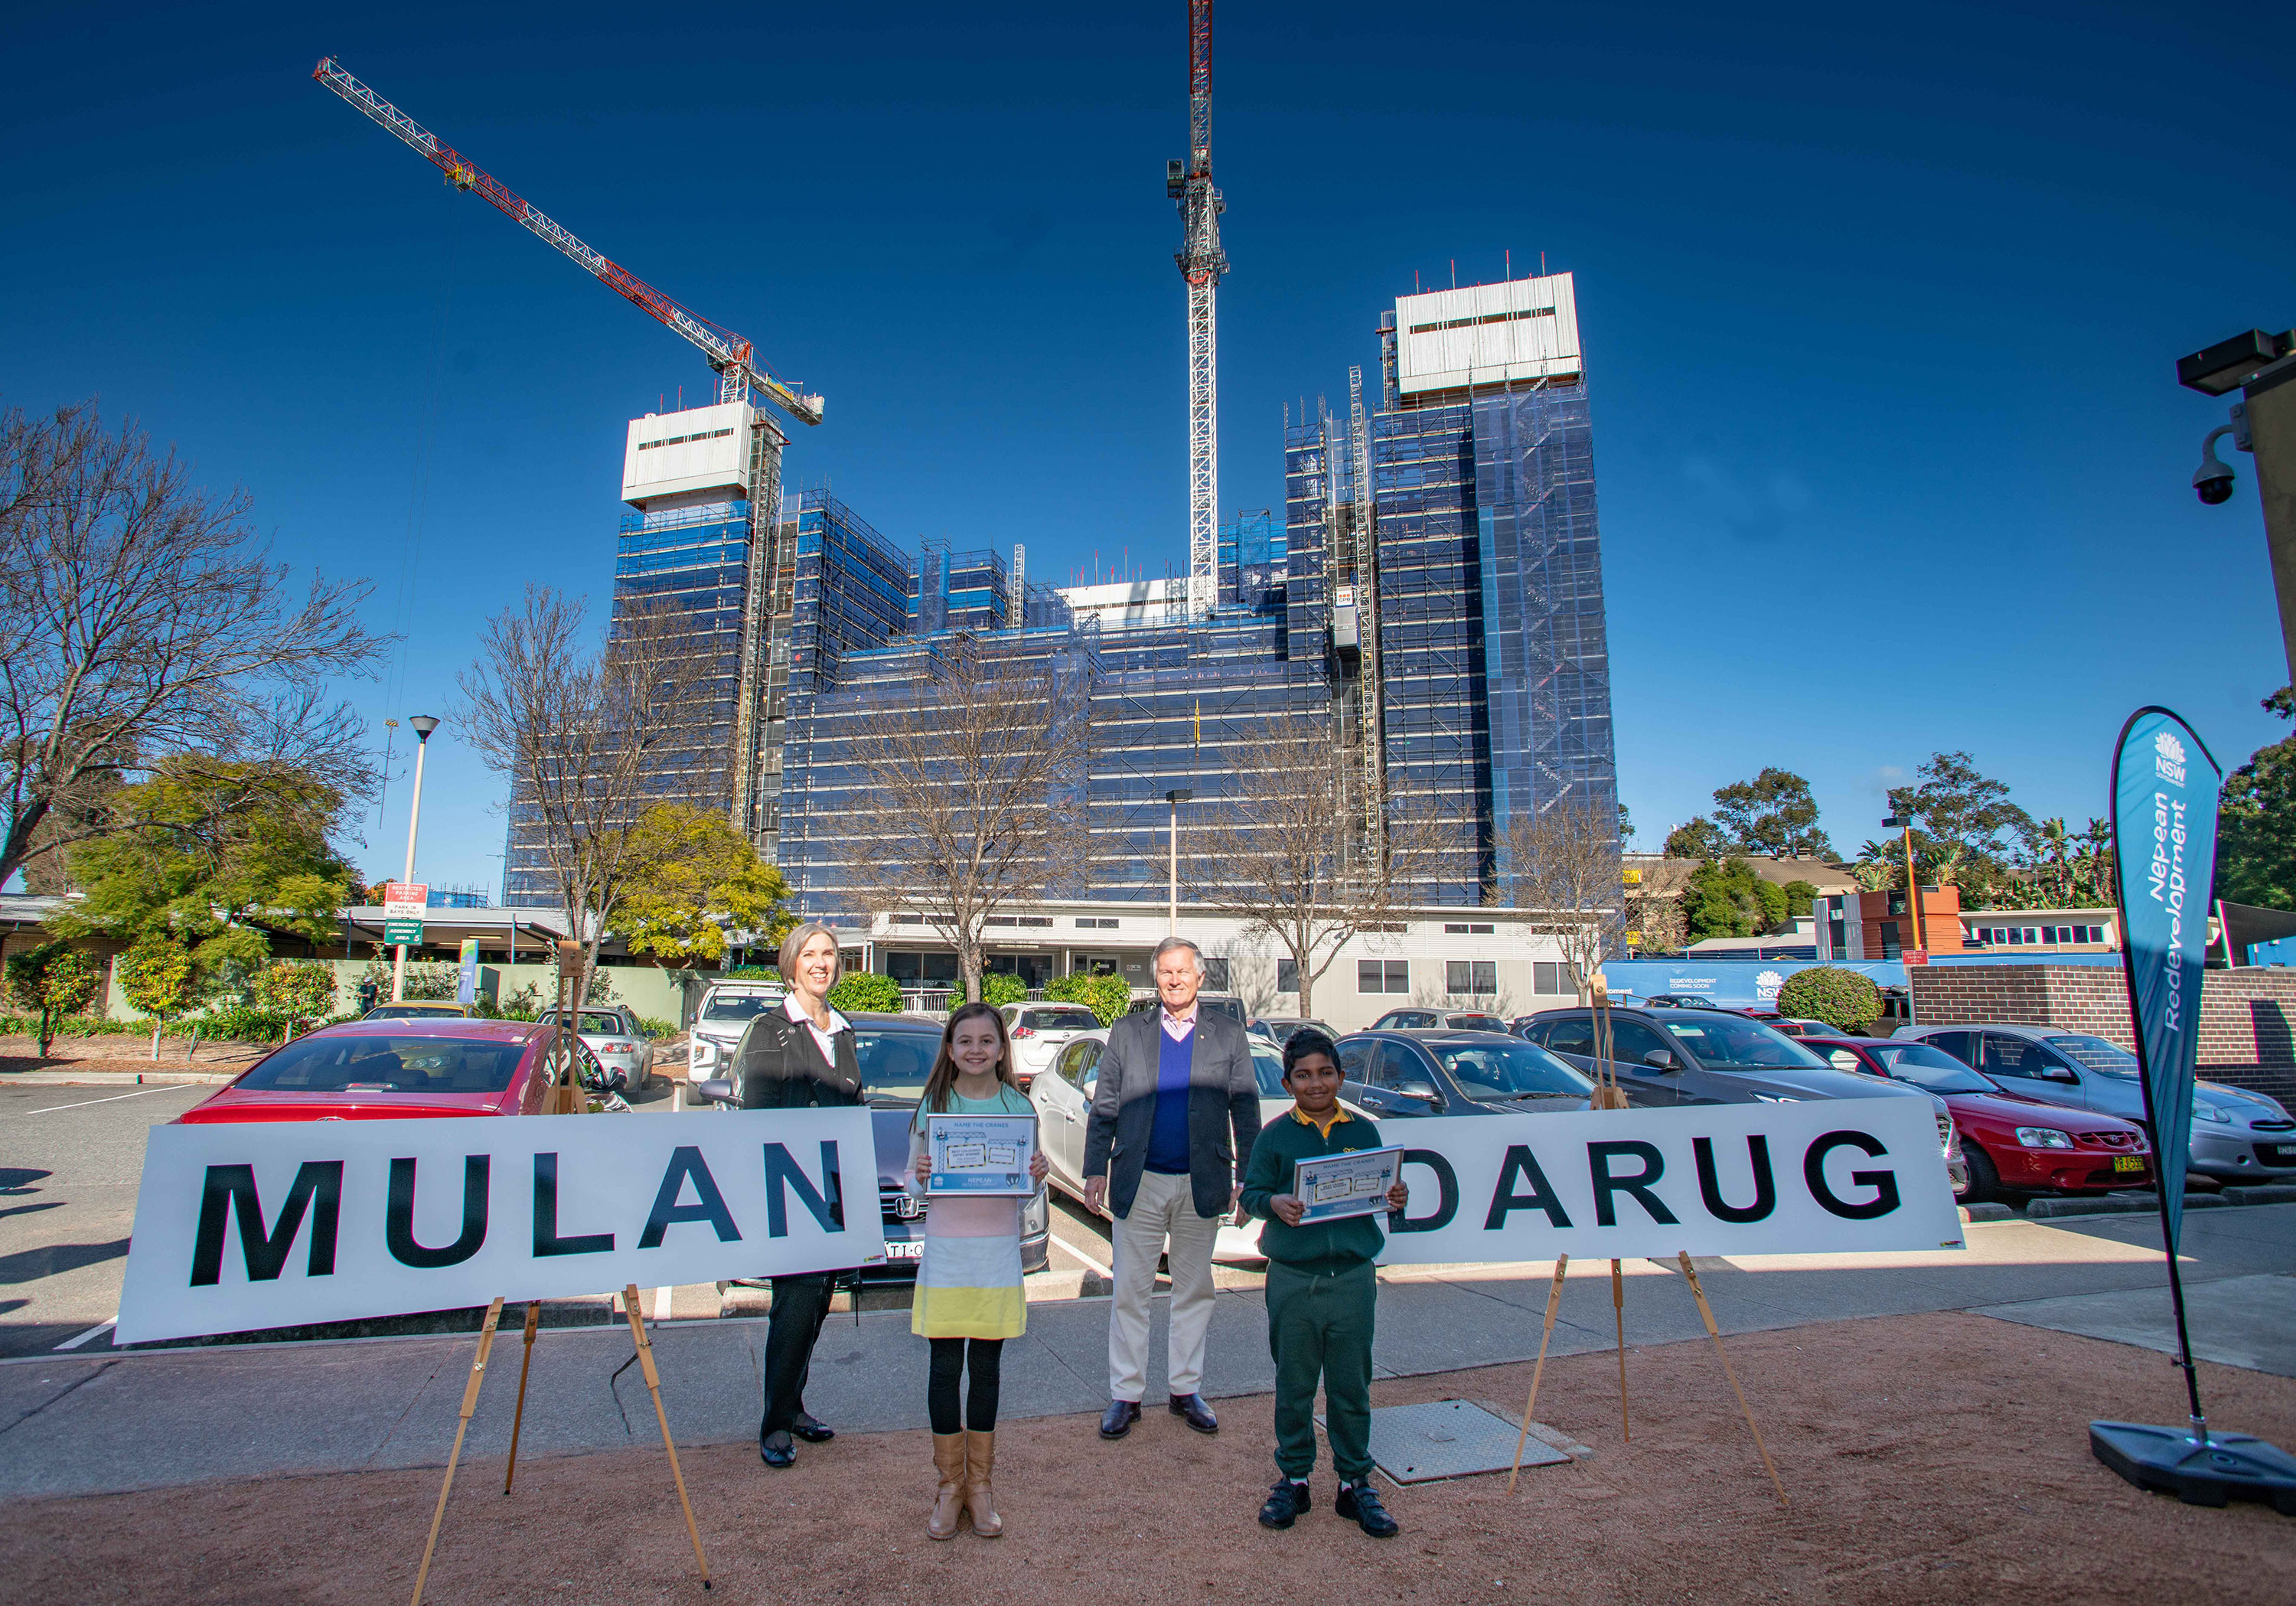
[(826, 1041)]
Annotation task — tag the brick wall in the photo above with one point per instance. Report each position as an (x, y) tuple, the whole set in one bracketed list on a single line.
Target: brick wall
[(2248, 1017)]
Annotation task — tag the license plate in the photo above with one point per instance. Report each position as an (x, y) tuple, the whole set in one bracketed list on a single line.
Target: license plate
[(905, 1249), (2276, 1154), (2127, 1162)]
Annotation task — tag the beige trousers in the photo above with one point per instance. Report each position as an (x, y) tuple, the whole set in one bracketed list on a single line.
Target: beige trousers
[(1164, 1208)]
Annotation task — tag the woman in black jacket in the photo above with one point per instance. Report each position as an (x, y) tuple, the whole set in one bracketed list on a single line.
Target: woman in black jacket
[(798, 1057)]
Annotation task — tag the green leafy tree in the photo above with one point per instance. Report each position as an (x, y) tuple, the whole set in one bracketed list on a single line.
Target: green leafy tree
[(1801, 897), (1773, 813), (296, 991), (55, 979), (158, 979), (696, 879), (1003, 987), (1725, 898), (1845, 1000), (868, 992), (1108, 996), (215, 857), (1699, 838), (2256, 828), (1965, 829)]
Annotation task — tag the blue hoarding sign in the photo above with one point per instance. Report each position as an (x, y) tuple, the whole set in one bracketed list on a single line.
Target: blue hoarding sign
[(1733, 984), (2164, 846)]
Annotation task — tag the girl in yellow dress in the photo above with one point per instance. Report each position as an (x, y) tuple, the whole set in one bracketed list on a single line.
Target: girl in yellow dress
[(968, 1294)]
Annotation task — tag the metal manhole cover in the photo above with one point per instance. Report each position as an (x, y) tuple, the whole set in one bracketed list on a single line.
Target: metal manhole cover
[(1449, 1439)]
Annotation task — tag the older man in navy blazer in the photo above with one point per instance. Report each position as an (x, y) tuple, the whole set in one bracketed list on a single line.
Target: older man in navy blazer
[(1173, 1118)]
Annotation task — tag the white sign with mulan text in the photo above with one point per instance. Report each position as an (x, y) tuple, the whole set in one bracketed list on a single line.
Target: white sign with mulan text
[(279, 1223), (1713, 1178)]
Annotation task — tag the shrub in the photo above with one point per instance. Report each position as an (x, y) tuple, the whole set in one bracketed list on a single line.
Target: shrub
[(240, 1023), (296, 993), (70, 1025), (1106, 996), (868, 992), (1844, 999), (750, 973), (652, 1027), (1002, 987), (55, 979)]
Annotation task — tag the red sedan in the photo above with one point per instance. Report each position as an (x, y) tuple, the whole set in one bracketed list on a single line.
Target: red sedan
[(2014, 1145), (369, 1070)]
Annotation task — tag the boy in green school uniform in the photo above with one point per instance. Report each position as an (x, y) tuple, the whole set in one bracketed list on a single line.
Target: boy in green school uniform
[(1321, 1292)]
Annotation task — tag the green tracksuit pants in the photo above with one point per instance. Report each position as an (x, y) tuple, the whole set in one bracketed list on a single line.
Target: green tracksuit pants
[(1320, 1326)]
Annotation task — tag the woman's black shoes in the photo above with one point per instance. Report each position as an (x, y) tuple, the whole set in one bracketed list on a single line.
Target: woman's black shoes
[(811, 1430), (776, 1450), (1285, 1502)]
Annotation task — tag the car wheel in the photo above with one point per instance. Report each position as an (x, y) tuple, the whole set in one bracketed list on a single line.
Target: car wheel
[(1984, 1180)]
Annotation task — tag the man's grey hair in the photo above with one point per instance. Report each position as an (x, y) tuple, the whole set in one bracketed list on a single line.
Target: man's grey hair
[(1173, 944)]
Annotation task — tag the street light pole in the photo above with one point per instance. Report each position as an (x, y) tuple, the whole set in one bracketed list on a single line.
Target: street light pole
[(423, 726), (1176, 797), (1905, 822)]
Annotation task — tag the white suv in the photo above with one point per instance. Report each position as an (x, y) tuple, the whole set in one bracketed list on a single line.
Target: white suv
[(1039, 1031), (727, 1009)]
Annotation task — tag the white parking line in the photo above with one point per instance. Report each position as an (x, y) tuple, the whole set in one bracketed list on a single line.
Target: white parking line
[(99, 1329), (83, 1103), (1087, 1260)]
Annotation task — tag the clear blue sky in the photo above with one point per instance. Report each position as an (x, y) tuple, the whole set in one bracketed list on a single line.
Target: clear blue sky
[(1881, 312)]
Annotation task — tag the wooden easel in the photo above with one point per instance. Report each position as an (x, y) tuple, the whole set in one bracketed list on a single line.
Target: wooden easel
[(566, 1097), (470, 1404), (1609, 1095)]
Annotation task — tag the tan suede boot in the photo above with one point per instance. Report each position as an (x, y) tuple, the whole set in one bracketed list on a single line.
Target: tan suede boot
[(979, 1462), (948, 1503)]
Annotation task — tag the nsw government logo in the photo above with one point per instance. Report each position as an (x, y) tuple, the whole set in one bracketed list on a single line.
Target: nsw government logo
[(2168, 757), (1767, 984)]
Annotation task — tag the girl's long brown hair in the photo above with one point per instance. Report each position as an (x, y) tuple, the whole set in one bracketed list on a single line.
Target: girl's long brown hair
[(943, 1076)]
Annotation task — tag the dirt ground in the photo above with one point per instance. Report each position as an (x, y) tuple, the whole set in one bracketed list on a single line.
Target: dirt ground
[(125, 1051), (1932, 1459)]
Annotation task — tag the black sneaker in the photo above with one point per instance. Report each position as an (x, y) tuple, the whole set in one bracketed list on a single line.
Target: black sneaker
[(1360, 1501), (1285, 1502)]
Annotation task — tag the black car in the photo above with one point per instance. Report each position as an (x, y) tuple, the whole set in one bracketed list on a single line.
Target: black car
[(1679, 1000), (1667, 1058), (896, 1053), (1399, 1074)]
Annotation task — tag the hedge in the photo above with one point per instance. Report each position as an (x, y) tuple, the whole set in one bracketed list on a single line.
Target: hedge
[(1845, 1000), (1106, 996)]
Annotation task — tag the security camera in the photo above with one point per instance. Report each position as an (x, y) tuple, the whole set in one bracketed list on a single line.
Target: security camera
[(2212, 480)]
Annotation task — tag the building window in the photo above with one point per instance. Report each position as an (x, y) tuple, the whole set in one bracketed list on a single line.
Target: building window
[(1552, 979), (1458, 929), (1216, 974), (1093, 923), (1471, 975), (1287, 976), (1382, 976)]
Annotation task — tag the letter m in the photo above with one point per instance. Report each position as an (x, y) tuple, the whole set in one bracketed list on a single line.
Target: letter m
[(232, 1189)]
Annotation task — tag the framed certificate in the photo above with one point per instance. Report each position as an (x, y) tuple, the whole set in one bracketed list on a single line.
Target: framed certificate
[(1354, 1183), (979, 1155)]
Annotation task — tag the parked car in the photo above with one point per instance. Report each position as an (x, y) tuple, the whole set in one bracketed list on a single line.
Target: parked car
[(1227, 1003), (727, 1010), (1439, 1020), (2014, 1145), (1794, 1027), (1278, 1028), (2237, 1136), (895, 1054), (1679, 1000), (1414, 1071), (1039, 1031), (420, 1009), (393, 1069), (1063, 1102), (618, 1040)]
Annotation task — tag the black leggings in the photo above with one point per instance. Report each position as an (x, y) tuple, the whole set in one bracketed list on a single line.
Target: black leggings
[(980, 1413)]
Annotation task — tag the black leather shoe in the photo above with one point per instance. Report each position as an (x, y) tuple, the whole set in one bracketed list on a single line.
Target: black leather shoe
[(811, 1430), (1116, 1421), (1286, 1502), (776, 1450), (1191, 1409), (1359, 1501)]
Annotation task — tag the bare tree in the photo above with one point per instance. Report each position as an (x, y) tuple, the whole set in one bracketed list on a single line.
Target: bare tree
[(579, 731), (1287, 854), (1564, 862), (971, 798), (141, 621)]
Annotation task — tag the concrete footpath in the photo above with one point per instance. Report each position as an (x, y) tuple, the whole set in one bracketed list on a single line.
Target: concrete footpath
[(74, 1425)]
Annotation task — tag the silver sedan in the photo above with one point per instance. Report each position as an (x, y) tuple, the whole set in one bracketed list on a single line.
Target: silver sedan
[(615, 1036)]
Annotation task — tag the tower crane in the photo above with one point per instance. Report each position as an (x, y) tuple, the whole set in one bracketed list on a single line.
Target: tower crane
[(1203, 263), (740, 374)]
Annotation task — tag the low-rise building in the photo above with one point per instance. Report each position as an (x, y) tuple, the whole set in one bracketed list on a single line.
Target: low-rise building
[(1883, 926)]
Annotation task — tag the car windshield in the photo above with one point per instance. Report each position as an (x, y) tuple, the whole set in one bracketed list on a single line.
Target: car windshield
[(368, 1063), (1724, 1043), (739, 1005), (894, 1064), (595, 1021), (1477, 1023), (2106, 1060), (1510, 1070), (1932, 1069), (1062, 1020), (1267, 1066)]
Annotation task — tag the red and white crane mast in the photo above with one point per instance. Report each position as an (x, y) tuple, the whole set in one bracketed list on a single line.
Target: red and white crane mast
[(1203, 263)]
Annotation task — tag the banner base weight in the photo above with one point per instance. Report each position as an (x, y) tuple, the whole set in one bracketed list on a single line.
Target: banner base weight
[(2224, 1468)]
